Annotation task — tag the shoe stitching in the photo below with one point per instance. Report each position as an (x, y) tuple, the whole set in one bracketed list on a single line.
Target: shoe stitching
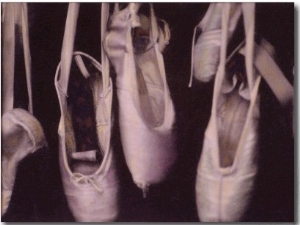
[(80, 179)]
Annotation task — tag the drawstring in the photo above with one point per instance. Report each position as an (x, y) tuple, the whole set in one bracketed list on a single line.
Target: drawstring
[(145, 189), (81, 66), (78, 58), (78, 178)]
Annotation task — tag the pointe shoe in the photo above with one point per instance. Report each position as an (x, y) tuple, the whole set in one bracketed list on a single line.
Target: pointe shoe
[(206, 49), (22, 134), (146, 111), (227, 167), (89, 177)]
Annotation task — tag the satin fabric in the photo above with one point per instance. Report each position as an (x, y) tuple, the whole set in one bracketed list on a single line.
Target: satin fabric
[(149, 146)]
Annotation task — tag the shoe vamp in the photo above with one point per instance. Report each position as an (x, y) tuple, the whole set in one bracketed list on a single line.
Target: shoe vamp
[(223, 200), (245, 164), (88, 204), (131, 114), (150, 156), (235, 194)]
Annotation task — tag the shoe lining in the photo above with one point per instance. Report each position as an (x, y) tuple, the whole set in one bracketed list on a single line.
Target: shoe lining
[(150, 82), (81, 123), (15, 141), (16, 144), (232, 114)]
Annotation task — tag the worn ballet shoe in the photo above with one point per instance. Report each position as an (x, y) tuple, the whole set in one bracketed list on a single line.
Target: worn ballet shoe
[(206, 49), (227, 167), (146, 111), (22, 134), (89, 177)]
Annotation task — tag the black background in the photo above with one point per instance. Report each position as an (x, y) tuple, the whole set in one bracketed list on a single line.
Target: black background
[(38, 193)]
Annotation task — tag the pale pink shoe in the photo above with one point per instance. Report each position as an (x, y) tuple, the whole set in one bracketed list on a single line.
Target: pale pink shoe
[(227, 167), (90, 184), (146, 111), (22, 134), (206, 49)]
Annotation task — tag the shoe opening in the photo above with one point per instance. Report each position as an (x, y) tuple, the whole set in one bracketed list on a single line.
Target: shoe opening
[(232, 113), (149, 78), (83, 148)]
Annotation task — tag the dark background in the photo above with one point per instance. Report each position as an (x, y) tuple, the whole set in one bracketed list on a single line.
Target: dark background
[(38, 193)]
